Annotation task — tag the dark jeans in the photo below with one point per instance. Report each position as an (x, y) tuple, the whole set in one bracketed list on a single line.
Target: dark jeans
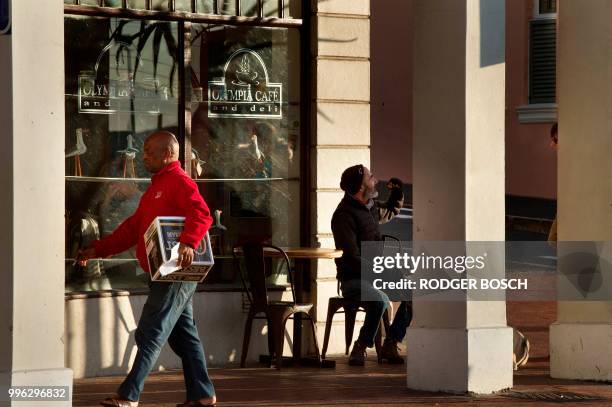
[(374, 311), (167, 316)]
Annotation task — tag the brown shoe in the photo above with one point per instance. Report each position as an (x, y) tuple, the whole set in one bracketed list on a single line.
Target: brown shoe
[(117, 401), (358, 354), (390, 353), (207, 401)]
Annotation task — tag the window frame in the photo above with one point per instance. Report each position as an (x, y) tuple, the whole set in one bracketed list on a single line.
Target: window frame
[(541, 16), (536, 112)]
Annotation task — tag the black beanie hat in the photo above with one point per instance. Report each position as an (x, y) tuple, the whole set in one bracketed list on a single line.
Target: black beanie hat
[(352, 178)]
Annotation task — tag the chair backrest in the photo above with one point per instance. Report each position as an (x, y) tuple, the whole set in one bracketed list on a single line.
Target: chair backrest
[(254, 277), (387, 238)]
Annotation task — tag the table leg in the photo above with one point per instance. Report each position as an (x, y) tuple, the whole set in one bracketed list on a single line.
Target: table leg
[(297, 318), (299, 283)]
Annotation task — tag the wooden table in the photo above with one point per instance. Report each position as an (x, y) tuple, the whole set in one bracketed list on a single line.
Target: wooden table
[(308, 253), (301, 255)]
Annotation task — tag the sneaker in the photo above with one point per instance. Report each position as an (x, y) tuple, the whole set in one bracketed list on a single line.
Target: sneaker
[(390, 353), (358, 354)]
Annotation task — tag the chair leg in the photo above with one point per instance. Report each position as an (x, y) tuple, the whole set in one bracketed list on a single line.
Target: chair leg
[(314, 337), (272, 339), (247, 337), (378, 341), (331, 311), (349, 327), (386, 322), (279, 339), (271, 348)]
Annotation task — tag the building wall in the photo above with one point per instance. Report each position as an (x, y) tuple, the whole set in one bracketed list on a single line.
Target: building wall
[(391, 89), (340, 135), (531, 165), (99, 337), (99, 331), (530, 162)]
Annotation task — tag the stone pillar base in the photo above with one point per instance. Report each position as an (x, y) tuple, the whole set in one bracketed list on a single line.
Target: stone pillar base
[(459, 360), (38, 378), (581, 351)]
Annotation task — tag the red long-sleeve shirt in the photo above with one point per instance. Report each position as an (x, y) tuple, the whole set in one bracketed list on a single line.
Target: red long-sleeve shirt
[(171, 193)]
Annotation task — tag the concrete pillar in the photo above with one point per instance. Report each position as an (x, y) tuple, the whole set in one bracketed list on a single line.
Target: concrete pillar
[(32, 206), (580, 346), (340, 131), (458, 167)]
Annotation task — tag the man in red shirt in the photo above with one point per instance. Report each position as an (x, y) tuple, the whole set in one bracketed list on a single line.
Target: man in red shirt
[(167, 315)]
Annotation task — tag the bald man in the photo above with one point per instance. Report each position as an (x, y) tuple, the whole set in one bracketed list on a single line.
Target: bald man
[(167, 315)]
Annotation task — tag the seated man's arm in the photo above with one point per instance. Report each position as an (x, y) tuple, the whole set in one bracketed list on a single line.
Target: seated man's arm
[(388, 210)]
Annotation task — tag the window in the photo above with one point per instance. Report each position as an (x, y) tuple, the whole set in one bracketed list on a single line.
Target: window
[(246, 127), (542, 53), (542, 83), (546, 8), (240, 139), (116, 94)]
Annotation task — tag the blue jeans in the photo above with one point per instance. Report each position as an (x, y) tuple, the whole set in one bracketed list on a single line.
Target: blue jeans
[(353, 289), (167, 316)]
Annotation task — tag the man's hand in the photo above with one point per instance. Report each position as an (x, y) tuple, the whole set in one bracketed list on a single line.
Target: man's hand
[(85, 254), (185, 255)]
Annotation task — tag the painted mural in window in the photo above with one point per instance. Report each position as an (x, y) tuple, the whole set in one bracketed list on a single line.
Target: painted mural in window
[(122, 84)]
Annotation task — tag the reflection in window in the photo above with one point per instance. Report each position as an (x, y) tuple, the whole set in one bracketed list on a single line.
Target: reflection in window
[(121, 84), (246, 126)]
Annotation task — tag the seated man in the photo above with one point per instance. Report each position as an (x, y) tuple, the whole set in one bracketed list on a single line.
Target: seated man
[(356, 220)]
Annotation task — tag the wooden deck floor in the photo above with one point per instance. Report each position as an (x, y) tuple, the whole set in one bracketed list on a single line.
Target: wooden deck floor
[(372, 385), (344, 386)]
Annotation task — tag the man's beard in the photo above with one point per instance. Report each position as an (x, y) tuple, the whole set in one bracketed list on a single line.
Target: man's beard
[(370, 193)]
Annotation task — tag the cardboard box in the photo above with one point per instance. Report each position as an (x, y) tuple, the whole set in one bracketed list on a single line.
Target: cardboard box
[(163, 233)]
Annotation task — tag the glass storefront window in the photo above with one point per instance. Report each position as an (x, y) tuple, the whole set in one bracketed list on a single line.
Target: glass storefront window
[(121, 84), (243, 92), (245, 127)]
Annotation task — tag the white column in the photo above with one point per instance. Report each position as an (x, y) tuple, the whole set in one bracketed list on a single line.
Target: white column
[(340, 132), (580, 346), (459, 99), (32, 206)]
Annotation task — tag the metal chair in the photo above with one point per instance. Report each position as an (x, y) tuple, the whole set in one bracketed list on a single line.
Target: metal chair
[(275, 312), (350, 308)]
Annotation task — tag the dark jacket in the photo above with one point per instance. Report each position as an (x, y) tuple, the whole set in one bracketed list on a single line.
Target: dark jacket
[(354, 222)]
